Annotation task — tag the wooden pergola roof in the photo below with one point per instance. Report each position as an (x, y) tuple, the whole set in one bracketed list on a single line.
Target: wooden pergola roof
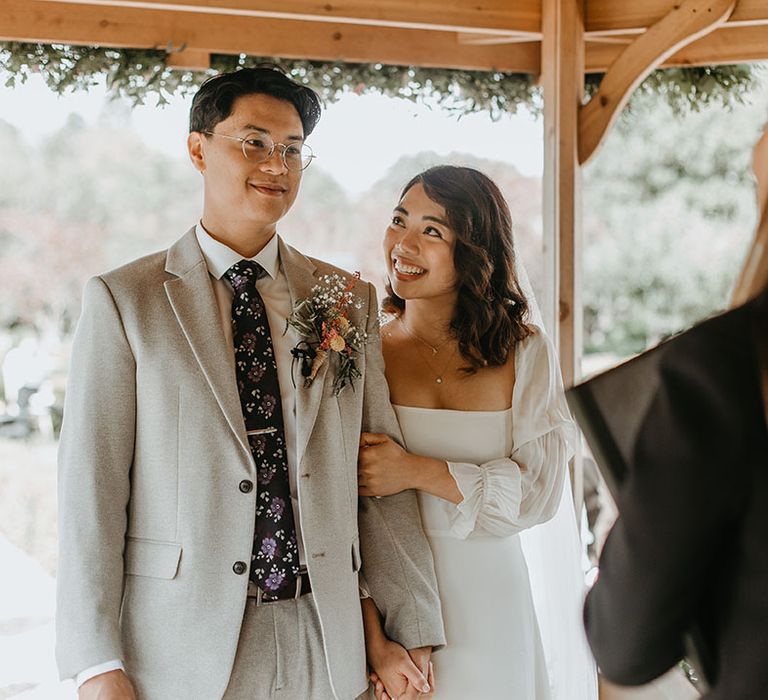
[(556, 40), (495, 35)]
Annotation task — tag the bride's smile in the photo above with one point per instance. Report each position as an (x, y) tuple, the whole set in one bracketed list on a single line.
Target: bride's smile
[(404, 270), (419, 248)]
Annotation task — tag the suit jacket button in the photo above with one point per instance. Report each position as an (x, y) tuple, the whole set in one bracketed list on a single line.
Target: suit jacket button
[(239, 567), (246, 486)]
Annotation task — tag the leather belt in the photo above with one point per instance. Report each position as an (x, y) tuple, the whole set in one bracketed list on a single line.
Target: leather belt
[(303, 586)]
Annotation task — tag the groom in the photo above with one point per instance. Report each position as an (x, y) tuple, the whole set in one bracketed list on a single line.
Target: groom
[(211, 544)]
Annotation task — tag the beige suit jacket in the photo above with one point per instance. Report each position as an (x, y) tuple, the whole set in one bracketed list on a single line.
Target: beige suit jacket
[(151, 517)]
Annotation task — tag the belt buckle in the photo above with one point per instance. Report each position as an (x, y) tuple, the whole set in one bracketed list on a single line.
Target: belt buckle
[(299, 582)]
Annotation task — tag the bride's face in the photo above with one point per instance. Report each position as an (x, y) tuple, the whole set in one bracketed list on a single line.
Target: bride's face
[(418, 247)]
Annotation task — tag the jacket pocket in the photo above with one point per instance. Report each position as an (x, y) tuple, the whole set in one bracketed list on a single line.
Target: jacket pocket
[(151, 558), (357, 561)]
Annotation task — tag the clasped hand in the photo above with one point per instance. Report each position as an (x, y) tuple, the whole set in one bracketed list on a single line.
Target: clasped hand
[(383, 467), (395, 672)]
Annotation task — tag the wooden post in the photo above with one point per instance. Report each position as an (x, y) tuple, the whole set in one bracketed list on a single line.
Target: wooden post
[(562, 78)]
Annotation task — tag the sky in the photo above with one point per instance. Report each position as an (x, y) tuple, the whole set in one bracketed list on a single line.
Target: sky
[(357, 140)]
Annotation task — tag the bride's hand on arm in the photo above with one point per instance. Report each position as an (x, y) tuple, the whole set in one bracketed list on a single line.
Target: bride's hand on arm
[(393, 672), (384, 468)]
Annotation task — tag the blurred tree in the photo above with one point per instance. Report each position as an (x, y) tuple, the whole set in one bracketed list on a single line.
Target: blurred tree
[(323, 221), (668, 213), (87, 199)]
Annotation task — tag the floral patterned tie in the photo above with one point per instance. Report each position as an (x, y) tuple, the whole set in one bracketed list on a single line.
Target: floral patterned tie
[(275, 558)]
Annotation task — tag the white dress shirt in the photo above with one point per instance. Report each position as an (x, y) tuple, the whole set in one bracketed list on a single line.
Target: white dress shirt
[(273, 288)]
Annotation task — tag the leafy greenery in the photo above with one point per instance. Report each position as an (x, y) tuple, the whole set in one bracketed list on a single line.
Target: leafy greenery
[(140, 73), (669, 211), (668, 214)]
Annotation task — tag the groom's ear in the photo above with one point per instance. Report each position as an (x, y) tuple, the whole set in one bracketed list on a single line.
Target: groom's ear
[(195, 148)]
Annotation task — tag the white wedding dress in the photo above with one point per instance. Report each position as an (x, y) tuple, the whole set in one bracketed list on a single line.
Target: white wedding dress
[(510, 466)]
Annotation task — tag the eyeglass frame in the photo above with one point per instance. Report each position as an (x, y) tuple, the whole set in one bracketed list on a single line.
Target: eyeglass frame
[(284, 147)]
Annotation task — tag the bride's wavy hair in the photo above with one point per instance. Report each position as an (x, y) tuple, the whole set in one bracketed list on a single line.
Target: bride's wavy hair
[(491, 310)]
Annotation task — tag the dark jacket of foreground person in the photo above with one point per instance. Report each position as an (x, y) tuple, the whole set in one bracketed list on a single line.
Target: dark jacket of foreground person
[(691, 544)]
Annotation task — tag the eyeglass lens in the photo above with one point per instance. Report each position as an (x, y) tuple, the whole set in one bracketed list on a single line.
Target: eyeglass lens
[(259, 147)]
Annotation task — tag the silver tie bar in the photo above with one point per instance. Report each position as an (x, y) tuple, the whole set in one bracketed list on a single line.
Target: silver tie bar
[(261, 431)]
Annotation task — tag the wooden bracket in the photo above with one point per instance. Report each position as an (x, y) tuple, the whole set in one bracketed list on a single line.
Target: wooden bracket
[(684, 24)]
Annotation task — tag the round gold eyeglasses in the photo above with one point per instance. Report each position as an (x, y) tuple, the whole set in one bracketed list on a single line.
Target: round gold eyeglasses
[(259, 146)]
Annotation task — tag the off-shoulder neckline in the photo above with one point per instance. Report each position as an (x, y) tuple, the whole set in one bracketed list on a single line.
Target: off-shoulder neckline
[(451, 410)]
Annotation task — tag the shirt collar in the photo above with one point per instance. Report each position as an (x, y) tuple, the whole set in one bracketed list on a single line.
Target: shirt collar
[(219, 257)]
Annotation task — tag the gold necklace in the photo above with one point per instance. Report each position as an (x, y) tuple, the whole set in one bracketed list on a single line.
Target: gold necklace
[(438, 375), (434, 349)]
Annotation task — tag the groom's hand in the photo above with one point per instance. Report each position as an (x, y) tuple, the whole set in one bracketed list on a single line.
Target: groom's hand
[(113, 685), (394, 673), (421, 657)]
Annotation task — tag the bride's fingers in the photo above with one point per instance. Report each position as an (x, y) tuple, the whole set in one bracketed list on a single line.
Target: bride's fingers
[(397, 685), (431, 679), (415, 677), (411, 693), (382, 692)]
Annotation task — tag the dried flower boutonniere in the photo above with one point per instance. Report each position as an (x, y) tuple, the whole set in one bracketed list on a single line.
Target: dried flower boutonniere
[(323, 322)]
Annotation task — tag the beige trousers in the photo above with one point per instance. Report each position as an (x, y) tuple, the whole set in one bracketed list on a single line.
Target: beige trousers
[(280, 654)]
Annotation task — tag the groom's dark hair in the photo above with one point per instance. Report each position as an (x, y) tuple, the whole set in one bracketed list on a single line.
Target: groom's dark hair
[(216, 97)]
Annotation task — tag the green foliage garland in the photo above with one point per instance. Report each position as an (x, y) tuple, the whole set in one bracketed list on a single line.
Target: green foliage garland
[(690, 89), (139, 73)]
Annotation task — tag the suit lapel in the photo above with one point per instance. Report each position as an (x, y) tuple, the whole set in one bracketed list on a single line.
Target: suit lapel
[(193, 301), (300, 273)]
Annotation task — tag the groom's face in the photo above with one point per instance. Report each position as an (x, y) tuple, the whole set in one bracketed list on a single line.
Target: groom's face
[(256, 193)]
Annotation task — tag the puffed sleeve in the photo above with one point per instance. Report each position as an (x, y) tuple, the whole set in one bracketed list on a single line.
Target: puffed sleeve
[(513, 493)]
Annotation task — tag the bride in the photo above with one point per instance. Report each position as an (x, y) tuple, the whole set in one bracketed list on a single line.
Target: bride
[(477, 390)]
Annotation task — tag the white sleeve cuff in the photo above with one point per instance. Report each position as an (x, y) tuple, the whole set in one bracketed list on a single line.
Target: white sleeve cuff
[(362, 585), (491, 492), (93, 671)]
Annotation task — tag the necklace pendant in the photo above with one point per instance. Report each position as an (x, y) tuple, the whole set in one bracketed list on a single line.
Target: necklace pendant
[(439, 380), (434, 352)]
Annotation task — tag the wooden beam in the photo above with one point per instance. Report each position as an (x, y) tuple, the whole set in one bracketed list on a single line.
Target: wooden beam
[(635, 16), (493, 16), (491, 39), (189, 60), (726, 45), (723, 46), (683, 25), (562, 80), (51, 21)]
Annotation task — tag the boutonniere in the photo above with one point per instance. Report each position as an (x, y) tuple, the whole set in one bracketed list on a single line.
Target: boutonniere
[(322, 320)]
